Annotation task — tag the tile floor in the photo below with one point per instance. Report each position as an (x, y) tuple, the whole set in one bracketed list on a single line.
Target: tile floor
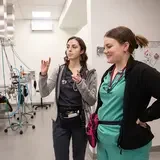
[(34, 144)]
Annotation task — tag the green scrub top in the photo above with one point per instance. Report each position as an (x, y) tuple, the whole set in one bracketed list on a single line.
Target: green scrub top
[(112, 107)]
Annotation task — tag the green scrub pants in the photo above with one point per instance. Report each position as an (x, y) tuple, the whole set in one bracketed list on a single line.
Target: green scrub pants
[(112, 152)]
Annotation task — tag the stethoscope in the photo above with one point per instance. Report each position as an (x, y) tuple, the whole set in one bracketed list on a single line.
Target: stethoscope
[(73, 85), (64, 81), (110, 86)]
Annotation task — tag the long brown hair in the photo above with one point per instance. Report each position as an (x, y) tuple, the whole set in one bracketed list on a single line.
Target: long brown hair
[(123, 34), (83, 57)]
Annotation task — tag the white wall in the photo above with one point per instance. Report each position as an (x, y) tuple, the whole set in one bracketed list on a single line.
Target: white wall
[(141, 16), (84, 34), (32, 47)]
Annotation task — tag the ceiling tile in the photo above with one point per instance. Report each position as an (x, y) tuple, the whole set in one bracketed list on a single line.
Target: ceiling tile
[(18, 14), (24, 8), (10, 1), (42, 2), (27, 11)]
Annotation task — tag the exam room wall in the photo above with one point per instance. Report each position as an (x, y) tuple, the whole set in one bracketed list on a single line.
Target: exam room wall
[(33, 46)]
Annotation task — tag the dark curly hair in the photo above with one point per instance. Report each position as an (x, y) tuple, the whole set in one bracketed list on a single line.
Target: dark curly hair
[(84, 57)]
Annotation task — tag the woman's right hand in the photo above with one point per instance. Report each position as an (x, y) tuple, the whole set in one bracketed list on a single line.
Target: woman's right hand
[(142, 124), (45, 66)]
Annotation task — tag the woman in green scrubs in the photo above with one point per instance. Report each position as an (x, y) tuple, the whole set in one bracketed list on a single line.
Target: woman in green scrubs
[(124, 95)]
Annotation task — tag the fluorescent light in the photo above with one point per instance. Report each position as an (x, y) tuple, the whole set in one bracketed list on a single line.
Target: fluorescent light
[(41, 14), (41, 25)]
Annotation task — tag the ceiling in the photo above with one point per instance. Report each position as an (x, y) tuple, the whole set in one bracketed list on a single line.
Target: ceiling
[(71, 14), (24, 8), (75, 15)]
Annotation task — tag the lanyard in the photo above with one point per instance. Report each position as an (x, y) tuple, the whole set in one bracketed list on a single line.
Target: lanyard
[(111, 81)]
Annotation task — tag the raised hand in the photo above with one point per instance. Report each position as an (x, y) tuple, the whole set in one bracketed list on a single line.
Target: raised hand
[(45, 66)]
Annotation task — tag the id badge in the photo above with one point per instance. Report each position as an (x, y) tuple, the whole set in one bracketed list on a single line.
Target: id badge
[(72, 114)]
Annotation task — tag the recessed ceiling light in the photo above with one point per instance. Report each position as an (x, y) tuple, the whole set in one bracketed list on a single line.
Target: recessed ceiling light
[(41, 14)]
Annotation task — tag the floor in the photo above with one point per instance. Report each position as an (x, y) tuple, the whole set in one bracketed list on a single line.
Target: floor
[(34, 144)]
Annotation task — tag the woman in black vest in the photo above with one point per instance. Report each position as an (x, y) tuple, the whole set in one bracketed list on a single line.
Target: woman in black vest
[(76, 87)]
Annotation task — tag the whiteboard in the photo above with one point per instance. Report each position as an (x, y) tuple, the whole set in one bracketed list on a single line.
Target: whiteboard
[(150, 55)]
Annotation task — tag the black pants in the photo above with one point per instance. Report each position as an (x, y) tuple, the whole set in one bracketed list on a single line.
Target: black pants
[(61, 142)]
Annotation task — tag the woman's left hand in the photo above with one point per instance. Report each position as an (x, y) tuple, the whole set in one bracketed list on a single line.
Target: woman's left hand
[(143, 124), (77, 78)]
